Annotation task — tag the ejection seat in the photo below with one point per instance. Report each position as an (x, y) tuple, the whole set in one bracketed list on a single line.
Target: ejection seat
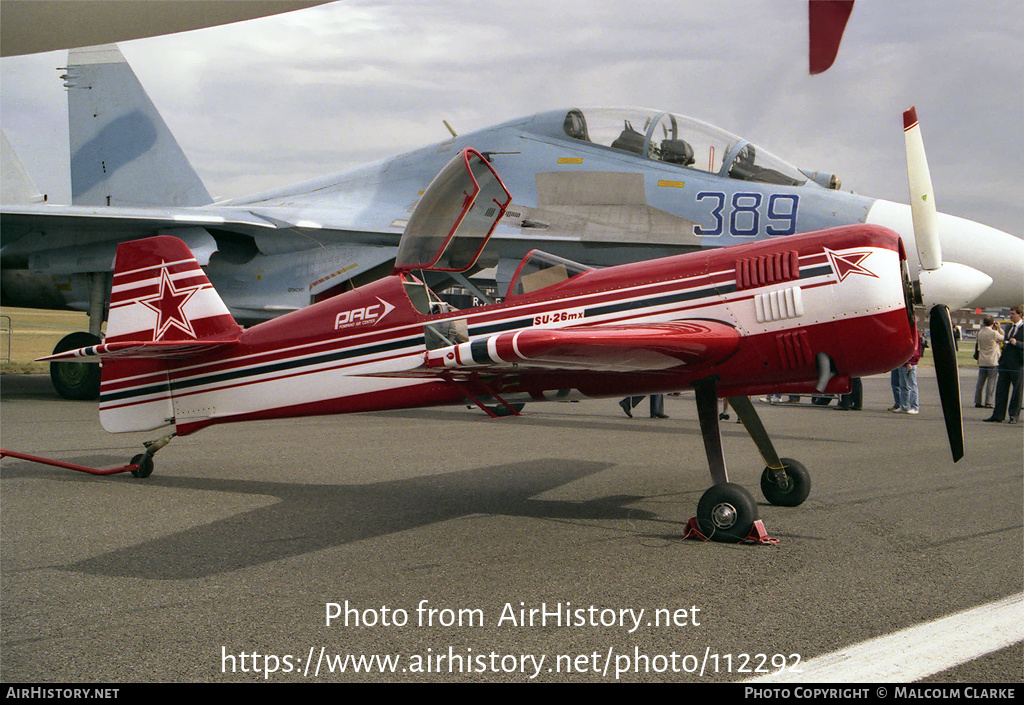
[(677, 152), (630, 140)]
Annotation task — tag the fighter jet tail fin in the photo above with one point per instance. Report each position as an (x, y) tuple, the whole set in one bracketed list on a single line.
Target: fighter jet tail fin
[(122, 152)]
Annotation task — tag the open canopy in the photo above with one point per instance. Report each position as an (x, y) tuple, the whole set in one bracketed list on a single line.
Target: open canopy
[(456, 215)]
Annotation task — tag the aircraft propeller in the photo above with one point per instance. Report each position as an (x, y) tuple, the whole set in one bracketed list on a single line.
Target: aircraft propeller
[(941, 285)]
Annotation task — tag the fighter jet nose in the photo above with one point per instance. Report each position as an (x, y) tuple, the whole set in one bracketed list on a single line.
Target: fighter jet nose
[(998, 254)]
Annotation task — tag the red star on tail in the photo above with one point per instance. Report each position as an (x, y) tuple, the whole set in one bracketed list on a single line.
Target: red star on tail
[(168, 304)]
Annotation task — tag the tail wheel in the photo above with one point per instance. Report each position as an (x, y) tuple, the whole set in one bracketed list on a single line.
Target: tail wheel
[(797, 489), (145, 463), (726, 513), (79, 381)]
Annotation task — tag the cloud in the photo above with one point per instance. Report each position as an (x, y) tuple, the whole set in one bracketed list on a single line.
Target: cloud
[(282, 99)]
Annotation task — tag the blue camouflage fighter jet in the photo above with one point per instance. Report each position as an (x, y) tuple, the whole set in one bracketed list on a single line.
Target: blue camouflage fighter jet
[(600, 186)]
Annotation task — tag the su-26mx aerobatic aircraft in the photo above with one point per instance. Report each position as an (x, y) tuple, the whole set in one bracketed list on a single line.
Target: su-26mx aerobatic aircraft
[(803, 314), (600, 186)]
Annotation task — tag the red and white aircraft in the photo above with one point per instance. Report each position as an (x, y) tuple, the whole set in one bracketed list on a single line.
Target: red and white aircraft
[(801, 314)]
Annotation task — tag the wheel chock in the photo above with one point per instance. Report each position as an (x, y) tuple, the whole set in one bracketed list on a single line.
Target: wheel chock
[(757, 534)]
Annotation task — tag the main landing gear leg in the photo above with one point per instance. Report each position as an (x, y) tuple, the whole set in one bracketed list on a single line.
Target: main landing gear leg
[(784, 482), (502, 409), (727, 511)]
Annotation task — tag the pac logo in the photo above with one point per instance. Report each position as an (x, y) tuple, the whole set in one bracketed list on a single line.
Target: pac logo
[(366, 316)]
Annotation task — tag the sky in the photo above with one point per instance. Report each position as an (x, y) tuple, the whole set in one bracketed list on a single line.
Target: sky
[(282, 99)]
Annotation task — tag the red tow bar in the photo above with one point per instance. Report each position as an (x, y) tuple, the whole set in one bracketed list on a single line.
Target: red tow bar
[(130, 467)]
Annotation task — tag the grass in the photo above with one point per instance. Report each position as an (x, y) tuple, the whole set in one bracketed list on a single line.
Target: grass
[(32, 333)]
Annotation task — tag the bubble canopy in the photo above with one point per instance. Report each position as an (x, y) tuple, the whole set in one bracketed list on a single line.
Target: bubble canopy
[(680, 140), (455, 216)]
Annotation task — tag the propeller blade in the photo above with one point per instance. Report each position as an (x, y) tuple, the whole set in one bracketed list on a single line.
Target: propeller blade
[(922, 198), (949, 283), (948, 377)]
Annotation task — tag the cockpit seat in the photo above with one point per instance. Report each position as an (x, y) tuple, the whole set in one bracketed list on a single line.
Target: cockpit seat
[(630, 140), (677, 152), (575, 125)]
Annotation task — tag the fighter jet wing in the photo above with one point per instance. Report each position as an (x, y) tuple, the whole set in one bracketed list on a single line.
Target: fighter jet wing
[(68, 220), (38, 228), (607, 348)]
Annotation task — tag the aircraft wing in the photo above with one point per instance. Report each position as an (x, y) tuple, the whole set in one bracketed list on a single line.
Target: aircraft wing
[(76, 220), (605, 348), (31, 27), (29, 229)]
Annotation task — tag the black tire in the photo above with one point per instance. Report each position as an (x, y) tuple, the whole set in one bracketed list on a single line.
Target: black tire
[(821, 401), (502, 410), (726, 513), (799, 485), (145, 463), (78, 381)]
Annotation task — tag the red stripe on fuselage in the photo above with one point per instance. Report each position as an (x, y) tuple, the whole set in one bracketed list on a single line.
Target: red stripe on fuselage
[(313, 335)]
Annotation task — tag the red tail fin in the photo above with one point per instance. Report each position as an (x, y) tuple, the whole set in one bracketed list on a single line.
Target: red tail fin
[(162, 308), (160, 294)]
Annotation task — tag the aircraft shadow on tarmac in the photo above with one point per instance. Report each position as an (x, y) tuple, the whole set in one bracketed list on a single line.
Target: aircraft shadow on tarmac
[(314, 517), (614, 422)]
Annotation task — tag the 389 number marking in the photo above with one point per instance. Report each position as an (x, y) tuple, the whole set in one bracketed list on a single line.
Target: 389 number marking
[(742, 215)]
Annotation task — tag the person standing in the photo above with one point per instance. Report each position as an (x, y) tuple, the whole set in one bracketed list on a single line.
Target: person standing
[(908, 402), (990, 337), (657, 406), (894, 382), (1011, 370)]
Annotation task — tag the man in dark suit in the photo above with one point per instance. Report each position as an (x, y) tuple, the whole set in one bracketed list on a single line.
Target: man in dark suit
[(1011, 369)]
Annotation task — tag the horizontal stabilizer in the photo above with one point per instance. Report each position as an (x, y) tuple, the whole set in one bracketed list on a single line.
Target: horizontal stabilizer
[(159, 350)]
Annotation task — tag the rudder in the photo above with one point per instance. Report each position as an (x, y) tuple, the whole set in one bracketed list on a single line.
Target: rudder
[(162, 308)]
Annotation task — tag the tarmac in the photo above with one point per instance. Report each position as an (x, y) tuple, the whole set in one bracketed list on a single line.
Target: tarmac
[(440, 545)]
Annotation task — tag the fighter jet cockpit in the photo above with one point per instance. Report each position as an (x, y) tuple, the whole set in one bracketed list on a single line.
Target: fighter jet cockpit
[(679, 140)]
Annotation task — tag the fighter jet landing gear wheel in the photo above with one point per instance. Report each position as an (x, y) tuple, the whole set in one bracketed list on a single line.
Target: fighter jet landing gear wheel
[(145, 463), (798, 489), (79, 381), (726, 513)]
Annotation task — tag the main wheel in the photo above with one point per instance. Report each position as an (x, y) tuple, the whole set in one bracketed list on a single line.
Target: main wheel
[(726, 513), (145, 463), (798, 489), (79, 381)]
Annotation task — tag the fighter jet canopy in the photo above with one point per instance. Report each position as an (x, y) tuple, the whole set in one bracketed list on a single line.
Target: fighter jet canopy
[(679, 140)]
